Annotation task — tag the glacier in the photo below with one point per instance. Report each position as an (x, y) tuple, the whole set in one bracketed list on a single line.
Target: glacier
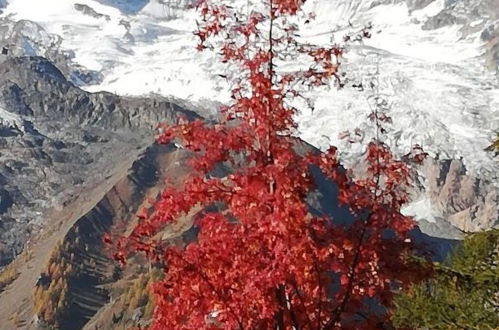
[(432, 58)]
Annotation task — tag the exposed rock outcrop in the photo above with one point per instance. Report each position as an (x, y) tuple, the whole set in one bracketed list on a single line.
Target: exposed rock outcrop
[(59, 138), (27, 38), (467, 202), (87, 10)]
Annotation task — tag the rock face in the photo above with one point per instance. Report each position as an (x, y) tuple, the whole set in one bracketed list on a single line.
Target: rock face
[(491, 36), (27, 38), (472, 15), (5, 201), (467, 202), (56, 138), (440, 20), (90, 11), (35, 86)]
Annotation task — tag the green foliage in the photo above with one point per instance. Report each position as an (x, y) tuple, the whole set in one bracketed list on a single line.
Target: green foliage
[(464, 293)]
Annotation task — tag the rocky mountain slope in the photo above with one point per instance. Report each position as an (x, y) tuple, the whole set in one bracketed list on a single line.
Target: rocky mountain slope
[(56, 139), (448, 200), (108, 204)]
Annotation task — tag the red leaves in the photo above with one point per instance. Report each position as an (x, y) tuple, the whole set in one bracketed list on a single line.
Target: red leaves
[(344, 280), (120, 257), (380, 117), (326, 64), (106, 238), (417, 154), (263, 257), (250, 28), (213, 18), (287, 7)]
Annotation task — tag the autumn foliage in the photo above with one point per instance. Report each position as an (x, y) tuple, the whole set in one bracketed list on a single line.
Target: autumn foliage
[(262, 259), (51, 296)]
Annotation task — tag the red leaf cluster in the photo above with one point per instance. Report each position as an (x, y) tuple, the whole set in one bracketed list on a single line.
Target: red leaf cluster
[(264, 259)]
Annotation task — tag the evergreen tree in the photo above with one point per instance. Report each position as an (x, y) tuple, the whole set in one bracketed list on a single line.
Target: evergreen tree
[(464, 294)]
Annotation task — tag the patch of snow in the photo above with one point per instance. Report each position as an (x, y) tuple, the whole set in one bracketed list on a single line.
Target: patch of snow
[(431, 10), (10, 119), (441, 95), (420, 210)]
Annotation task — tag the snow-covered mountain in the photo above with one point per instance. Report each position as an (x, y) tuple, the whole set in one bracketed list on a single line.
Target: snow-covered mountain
[(432, 57), (437, 62)]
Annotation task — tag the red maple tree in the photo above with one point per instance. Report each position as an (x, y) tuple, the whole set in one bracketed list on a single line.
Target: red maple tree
[(262, 259)]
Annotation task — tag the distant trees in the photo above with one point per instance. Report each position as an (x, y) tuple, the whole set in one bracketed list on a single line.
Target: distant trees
[(51, 297), (140, 295), (464, 294), (8, 275)]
